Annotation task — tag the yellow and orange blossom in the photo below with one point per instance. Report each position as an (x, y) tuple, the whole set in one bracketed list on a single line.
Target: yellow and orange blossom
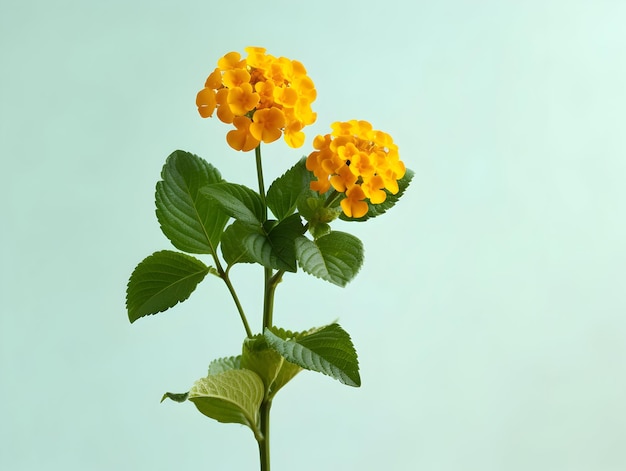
[(262, 96), (358, 161)]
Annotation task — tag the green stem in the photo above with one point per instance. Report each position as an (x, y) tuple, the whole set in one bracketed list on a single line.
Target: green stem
[(259, 174), (268, 308), (270, 289), (223, 274), (271, 282), (268, 300), (332, 198), (264, 443), (233, 293)]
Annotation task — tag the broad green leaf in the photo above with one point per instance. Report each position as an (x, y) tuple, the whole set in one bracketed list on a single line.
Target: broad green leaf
[(378, 209), (233, 396), (282, 239), (256, 245), (178, 397), (190, 221), (328, 350), (161, 281), (288, 369), (238, 201), (224, 364), (271, 367), (273, 249), (233, 247), (336, 257), (283, 193)]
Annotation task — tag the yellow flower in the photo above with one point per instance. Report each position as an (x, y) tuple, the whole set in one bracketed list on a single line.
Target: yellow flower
[(235, 78), (241, 139), (224, 112), (267, 124), (358, 161), (242, 99), (353, 205), (214, 80), (206, 102), (273, 94), (294, 137), (232, 60)]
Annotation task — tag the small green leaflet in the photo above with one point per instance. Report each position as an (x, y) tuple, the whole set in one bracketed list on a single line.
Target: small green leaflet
[(177, 397)]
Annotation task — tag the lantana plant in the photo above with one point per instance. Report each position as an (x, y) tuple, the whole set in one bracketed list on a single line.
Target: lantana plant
[(354, 173)]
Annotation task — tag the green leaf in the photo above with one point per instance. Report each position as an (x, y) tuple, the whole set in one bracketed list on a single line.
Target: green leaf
[(312, 207), (238, 201), (309, 204), (178, 397), (328, 350), (224, 364), (382, 208), (282, 240), (215, 367), (284, 192), (286, 373), (245, 243), (320, 229), (233, 247), (336, 257), (271, 367), (161, 281), (233, 396), (191, 222)]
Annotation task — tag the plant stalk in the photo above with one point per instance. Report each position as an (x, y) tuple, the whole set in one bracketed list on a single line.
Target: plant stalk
[(223, 274), (264, 443), (233, 294), (259, 174), (268, 308)]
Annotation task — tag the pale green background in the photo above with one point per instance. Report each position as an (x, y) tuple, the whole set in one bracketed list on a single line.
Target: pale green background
[(489, 315)]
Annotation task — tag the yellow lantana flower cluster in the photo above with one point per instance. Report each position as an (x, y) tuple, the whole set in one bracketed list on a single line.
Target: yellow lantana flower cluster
[(262, 96), (358, 161)]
